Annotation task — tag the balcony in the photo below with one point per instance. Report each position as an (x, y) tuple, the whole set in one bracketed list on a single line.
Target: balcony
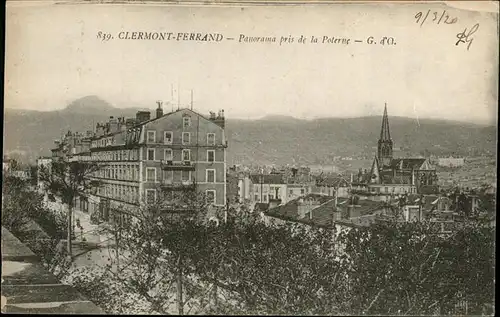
[(182, 185), (177, 166)]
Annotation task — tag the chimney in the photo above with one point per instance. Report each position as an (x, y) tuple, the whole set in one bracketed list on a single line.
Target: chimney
[(99, 130), (159, 110), (113, 125), (130, 123), (142, 116), (353, 212), (337, 215), (219, 120)]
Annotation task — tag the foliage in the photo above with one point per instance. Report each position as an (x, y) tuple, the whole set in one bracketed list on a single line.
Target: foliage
[(243, 265), (17, 204), (25, 216), (34, 175), (67, 180), (410, 268), (21, 205)]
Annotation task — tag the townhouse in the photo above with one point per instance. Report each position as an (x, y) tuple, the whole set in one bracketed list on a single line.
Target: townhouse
[(144, 160)]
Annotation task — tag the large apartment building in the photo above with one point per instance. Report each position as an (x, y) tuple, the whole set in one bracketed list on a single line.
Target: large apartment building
[(143, 159)]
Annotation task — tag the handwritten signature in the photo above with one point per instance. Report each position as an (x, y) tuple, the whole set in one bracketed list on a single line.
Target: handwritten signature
[(438, 16), (466, 37)]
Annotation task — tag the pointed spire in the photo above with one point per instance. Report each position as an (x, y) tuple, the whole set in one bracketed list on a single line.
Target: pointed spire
[(385, 134)]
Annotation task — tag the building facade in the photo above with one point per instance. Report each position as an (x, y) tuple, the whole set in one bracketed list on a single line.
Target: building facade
[(451, 162), (390, 176), (144, 160), (266, 187)]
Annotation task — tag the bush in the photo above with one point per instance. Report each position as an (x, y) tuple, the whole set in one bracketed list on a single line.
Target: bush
[(385, 269)]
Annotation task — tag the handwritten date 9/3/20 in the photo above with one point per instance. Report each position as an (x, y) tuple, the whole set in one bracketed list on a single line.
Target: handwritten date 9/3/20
[(434, 17)]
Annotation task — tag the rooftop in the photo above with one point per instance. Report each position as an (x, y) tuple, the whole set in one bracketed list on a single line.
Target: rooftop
[(332, 181), (321, 213), (407, 163), (266, 179)]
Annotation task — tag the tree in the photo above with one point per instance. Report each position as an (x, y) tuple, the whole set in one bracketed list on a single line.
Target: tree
[(24, 215), (34, 175), (17, 208), (68, 180), (142, 263), (412, 268)]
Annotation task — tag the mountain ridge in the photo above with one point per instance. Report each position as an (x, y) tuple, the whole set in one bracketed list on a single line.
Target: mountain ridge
[(274, 139), (132, 110)]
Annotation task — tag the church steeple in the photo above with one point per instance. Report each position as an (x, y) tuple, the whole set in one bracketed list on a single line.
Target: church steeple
[(384, 148)]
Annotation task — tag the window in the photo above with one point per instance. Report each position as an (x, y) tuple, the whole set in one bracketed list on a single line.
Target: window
[(210, 155), (169, 155), (186, 122), (210, 176), (302, 191), (168, 177), (386, 189), (151, 154), (168, 137), (150, 196), (186, 137), (151, 174), (186, 155), (211, 138), (210, 194), (185, 176), (151, 137)]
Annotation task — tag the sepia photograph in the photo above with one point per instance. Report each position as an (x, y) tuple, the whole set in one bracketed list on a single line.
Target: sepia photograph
[(250, 158)]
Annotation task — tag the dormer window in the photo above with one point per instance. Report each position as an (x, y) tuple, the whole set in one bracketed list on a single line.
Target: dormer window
[(151, 136), (211, 138)]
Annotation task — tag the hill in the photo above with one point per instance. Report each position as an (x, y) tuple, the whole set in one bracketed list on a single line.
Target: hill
[(270, 140)]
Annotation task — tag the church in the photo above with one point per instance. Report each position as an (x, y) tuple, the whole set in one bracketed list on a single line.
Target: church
[(394, 176)]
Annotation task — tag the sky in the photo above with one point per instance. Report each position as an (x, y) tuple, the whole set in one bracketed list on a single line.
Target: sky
[(53, 56)]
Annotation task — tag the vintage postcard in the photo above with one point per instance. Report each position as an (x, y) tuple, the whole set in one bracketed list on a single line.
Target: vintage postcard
[(263, 157)]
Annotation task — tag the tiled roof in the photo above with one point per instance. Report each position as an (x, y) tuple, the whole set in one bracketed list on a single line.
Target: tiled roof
[(429, 189), (362, 179), (332, 181), (407, 163), (426, 200), (290, 209), (261, 206), (322, 215), (366, 206), (266, 179)]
